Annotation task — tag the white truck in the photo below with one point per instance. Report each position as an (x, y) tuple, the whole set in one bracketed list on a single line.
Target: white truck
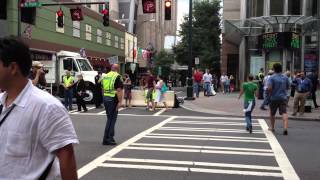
[(63, 61)]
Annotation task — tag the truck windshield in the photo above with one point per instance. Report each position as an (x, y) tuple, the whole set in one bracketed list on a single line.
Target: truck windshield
[(84, 65)]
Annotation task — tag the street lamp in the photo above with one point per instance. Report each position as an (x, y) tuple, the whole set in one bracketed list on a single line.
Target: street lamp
[(189, 78)]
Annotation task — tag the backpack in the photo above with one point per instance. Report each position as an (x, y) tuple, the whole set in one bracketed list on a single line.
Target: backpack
[(164, 88)]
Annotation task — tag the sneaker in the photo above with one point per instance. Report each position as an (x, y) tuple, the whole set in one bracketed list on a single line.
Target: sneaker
[(111, 143), (285, 132)]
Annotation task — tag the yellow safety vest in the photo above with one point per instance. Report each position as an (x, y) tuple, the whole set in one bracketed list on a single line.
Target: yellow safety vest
[(68, 81), (108, 81)]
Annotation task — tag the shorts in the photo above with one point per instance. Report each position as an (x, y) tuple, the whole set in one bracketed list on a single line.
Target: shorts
[(150, 94), (278, 104)]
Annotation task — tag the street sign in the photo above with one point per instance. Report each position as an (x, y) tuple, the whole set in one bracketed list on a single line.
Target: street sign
[(159, 70), (196, 61), (31, 4)]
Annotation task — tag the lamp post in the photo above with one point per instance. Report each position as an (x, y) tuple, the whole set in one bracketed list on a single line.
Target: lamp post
[(189, 78)]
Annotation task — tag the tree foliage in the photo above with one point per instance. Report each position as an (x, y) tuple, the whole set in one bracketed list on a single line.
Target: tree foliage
[(206, 36), (163, 59)]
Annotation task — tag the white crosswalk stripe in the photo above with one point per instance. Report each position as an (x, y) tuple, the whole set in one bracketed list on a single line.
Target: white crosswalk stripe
[(189, 132)]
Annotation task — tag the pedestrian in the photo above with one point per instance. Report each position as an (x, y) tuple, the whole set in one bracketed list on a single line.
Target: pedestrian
[(207, 80), (314, 80), (277, 86), (127, 85), (37, 134), (227, 85), (303, 89), (37, 75), (150, 90), (161, 90), (81, 93), (112, 87), (223, 80), (260, 78), (68, 82), (249, 89), (232, 83), (197, 78), (98, 90), (266, 98)]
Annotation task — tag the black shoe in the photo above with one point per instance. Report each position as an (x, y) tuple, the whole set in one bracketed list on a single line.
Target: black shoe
[(247, 129), (109, 143), (285, 132), (250, 130)]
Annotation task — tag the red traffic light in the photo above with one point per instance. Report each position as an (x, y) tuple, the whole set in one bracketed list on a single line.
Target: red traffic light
[(168, 4), (105, 12), (60, 13), (76, 14)]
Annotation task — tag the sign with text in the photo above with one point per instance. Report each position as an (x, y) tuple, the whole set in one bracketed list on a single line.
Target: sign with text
[(196, 61), (280, 40), (149, 6)]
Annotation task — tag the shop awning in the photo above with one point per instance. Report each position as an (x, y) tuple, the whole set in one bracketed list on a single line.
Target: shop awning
[(236, 29)]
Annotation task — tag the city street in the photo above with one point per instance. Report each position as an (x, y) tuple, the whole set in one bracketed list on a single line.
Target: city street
[(182, 144)]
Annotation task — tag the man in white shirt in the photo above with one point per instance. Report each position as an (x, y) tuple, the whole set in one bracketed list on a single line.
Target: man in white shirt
[(207, 80), (223, 80), (36, 132), (266, 97)]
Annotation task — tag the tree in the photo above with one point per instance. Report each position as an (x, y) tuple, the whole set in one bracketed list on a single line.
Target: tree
[(163, 59), (206, 36)]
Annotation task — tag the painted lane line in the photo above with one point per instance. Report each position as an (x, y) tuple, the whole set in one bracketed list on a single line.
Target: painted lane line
[(208, 130), (287, 170), (99, 160), (184, 107), (203, 147), (205, 136), (159, 112), (186, 127), (186, 169), (192, 163), (214, 123), (200, 151), (205, 139), (102, 112)]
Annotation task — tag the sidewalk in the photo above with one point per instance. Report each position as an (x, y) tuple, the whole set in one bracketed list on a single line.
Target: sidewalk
[(229, 105)]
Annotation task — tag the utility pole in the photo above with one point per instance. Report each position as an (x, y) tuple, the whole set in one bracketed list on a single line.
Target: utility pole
[(19, 19), (189, 78)]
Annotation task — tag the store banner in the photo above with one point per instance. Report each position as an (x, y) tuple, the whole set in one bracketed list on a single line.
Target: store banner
[(310, 62)]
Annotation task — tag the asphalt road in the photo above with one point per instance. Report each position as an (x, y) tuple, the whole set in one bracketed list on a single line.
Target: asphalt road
[(181, 144)]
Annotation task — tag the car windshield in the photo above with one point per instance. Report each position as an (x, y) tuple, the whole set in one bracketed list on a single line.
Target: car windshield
[(84, 65)]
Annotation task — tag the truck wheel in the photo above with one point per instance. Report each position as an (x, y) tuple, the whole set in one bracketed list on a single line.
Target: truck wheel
[(90, 94)]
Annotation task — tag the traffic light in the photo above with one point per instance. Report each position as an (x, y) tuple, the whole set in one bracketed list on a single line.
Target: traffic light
[(60, 18), (105, 13), (167, 10)]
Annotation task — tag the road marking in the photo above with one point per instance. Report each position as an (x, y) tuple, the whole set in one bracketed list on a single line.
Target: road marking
[(99, 161), (206, 136), (201, 151), (102, 112), (213, 123), (206, 139), (202, 147), (207, 130), (186, 169), (159, 112), (287, 170), (185, 107), (192, 163), (77, 112)]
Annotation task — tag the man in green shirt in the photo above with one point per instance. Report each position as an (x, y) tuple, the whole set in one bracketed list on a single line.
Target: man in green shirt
[(249, 89)]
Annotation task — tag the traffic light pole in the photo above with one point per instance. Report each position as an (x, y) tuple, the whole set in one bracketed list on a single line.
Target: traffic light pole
[(19, 6), (189, 78)]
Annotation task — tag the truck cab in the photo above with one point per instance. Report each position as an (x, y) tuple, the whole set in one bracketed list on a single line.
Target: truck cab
[(78, 65)]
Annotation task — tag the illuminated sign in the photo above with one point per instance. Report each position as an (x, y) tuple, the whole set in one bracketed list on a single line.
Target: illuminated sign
[(280, 40)]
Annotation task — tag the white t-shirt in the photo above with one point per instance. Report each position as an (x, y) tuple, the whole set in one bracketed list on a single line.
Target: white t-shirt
[(223, 78), (38, 125), (207, 78)]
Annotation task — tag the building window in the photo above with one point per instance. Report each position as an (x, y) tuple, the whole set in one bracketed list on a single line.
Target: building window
[(276, 7), (294, 7), (116, 41), (76, 29), (254, 8), (99, 36), (28, 15), (121, 43), (108, 38), (88, 32), (3, 9)]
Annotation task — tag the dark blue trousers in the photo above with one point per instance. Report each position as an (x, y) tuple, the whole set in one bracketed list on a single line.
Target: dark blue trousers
[(68, 98), (110, 105)]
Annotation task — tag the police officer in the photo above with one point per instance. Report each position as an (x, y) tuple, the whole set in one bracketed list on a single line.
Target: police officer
[(112, 90), (67, 83)]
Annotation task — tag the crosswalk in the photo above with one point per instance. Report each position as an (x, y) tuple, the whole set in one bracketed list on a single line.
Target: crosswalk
[(218, 146)]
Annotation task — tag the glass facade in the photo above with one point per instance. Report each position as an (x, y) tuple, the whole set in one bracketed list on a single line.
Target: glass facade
[(276, 7), (295, 7), (254, 8)]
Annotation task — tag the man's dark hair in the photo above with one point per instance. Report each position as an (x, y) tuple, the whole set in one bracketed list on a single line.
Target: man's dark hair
[(277, 67), (250, 77), (14, 50)]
